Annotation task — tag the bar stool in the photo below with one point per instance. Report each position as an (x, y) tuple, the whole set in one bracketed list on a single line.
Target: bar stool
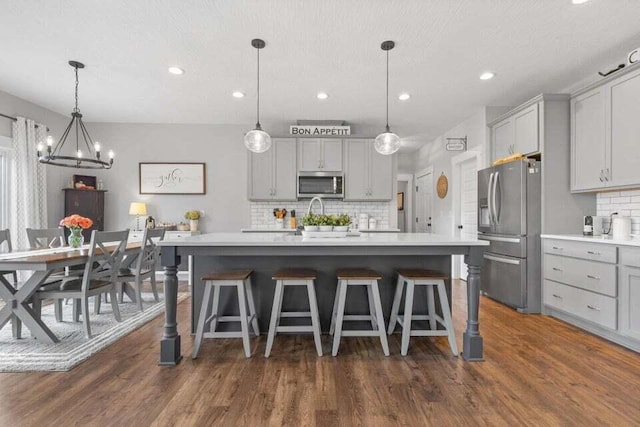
[(241, 280), (358, 277), (430, 279), (294, 277)]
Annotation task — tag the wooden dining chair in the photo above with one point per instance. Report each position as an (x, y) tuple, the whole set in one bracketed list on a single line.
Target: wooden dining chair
[(42, 238), (5, 246), (145, 267), (5, 241), (100, 275)]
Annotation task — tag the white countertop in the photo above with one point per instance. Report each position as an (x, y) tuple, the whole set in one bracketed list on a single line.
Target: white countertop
[(293, 230), (268, 230), (594, 239), (284, 239)]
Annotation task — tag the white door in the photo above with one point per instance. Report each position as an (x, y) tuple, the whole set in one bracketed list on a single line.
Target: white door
[(467, 220), (424, 203)]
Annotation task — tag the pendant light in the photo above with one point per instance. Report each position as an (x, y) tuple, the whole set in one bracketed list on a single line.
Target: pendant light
[(92, 158), (387, 142), (257, 140)]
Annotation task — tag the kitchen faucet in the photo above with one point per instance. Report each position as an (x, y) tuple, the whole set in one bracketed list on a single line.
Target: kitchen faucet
[(311, 204)]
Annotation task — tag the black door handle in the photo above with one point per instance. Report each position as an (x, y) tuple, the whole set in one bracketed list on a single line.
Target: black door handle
[(459, 227)]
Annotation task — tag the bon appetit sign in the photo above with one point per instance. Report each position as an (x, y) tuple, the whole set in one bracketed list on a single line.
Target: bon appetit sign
[(320, 130)]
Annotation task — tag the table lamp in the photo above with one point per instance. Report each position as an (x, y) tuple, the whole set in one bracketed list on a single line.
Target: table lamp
[(137, 209)]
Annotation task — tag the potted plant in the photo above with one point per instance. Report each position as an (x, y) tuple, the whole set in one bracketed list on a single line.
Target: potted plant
[(310, 222), (342, 222), (182, 226), (75, 224), (193, 217), (325, 223)]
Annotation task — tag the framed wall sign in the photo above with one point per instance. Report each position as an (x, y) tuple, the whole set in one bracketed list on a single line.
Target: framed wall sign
[(172, 178)]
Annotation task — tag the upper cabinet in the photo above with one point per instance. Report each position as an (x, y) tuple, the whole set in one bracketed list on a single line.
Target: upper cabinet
[(588, 148), (316, 155), (519, 132), (605, 131), (369, 174), (272, 175)]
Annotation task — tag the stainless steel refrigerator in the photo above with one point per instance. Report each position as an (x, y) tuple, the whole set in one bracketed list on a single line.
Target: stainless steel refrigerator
[(509, 218)]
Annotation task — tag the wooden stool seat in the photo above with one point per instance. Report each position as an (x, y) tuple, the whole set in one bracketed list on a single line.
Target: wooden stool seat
[(433, 281), (213, 282), (295, 274), (303, 277), (358, 277), (228, 275), (419, 273), (357, 274)]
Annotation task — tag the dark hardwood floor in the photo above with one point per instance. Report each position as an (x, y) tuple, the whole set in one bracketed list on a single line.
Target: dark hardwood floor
[(538, 371)]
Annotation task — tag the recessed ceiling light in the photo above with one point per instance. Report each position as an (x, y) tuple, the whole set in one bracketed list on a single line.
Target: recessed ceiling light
[(404, 96), (237, 94), (488, 75), (322, 95), (176, 70), (579, 1)]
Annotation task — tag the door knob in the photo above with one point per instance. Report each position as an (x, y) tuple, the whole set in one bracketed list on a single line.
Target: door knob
[(460, 227)]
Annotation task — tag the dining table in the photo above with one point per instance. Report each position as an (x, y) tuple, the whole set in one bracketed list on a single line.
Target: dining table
[(42, 263)]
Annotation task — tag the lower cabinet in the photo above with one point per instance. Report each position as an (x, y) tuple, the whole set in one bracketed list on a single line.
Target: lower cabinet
[(595, 286), (630, 302)]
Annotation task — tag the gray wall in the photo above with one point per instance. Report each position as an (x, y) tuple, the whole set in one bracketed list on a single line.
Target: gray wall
[(220, 147)]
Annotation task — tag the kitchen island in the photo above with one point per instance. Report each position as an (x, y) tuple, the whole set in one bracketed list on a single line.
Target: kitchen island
[(266, 252)]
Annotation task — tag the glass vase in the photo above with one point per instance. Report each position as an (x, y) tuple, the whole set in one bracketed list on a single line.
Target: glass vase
[(75, 239)]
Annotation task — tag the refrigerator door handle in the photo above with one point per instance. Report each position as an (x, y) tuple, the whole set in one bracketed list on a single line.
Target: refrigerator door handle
[(502, 260), (496, 213), (500, 239), (489, 198)]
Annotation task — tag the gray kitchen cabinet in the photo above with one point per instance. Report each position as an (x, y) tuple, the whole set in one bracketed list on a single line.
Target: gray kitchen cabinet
[(624, 131), (588, 145), (319, 155), (357, 169), (630, 302), (605, 131), (526, 130), (380, 175), (502, 139), (368, 174), (272, 175)]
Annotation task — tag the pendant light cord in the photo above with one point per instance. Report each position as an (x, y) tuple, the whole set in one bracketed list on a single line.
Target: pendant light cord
[(387, 126), (258, 103)]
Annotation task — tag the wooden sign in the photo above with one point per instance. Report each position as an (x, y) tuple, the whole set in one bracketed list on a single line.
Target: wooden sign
[(319, 130), (442, 186), (172, 178)]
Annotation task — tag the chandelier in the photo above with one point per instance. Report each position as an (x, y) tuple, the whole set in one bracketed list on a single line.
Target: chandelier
[(76, 127)]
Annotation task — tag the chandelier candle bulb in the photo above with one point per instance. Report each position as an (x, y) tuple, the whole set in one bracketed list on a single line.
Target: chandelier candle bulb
[(111, 154), (79, 154), (49, 141)]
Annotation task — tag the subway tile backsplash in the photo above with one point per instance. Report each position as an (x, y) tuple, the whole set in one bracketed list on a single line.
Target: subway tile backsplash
[(262, 212), (626, 203)]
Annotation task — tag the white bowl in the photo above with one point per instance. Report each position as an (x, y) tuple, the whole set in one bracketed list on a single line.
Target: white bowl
[(310, 228), (326, 227)]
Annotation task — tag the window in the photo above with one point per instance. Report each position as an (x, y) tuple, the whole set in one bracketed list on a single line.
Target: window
[(5, 184)]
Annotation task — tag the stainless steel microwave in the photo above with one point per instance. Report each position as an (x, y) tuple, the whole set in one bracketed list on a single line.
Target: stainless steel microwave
[(328, 185)]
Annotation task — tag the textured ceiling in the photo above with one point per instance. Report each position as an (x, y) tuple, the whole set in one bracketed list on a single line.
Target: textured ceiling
[(331, 45)]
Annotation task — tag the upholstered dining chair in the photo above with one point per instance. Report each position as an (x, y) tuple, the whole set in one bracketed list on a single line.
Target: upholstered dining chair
[(5, 246), (145, 265), (99, 277)]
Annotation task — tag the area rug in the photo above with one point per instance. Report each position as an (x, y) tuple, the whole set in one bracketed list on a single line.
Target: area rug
[(30, 355)]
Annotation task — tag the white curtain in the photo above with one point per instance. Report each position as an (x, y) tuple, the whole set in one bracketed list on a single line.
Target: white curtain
[(28, 183)]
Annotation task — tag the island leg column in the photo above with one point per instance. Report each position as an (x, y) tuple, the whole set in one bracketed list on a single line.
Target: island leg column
[(170, 354), (472, 343)]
